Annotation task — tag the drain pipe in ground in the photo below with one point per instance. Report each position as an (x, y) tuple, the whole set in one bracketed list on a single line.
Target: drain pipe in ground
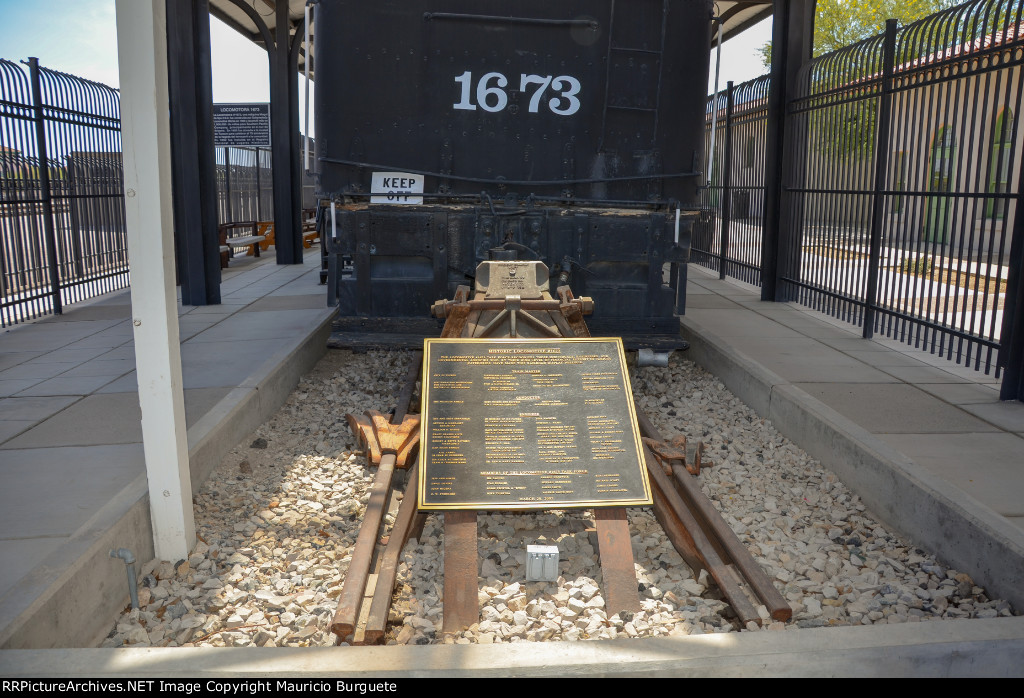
[(129, 564)]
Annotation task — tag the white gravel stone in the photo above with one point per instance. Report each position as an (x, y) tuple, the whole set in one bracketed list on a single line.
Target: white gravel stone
[(276, 536)]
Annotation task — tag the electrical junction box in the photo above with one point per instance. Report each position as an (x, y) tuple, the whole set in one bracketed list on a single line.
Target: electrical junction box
[(541, 563)]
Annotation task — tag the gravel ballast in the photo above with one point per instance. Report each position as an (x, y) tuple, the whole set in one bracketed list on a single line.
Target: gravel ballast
[(278, 518)]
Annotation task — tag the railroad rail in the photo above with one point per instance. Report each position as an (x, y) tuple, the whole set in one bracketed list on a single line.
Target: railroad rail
[(691, 522)]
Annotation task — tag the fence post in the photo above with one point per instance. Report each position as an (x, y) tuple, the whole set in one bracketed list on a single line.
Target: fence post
[(726, 182), (881, 176), (1011, 335), (259, 189), (792, 35), (227, 184), (44, 186)]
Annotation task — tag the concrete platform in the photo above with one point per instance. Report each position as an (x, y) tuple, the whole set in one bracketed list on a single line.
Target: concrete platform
[(71, 440), (926, 444)]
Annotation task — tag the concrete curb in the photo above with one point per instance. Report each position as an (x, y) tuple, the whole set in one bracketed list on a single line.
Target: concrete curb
[(957, 648), (938, 516), (53, 614)]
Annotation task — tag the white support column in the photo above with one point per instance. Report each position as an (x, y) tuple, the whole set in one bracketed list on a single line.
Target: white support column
[(145, 138)]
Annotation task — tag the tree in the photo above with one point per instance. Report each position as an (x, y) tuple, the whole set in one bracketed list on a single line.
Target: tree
[(839, 23)]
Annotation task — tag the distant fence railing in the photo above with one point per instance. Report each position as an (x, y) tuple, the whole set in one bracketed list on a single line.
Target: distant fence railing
[(902, 177), (245, 187), (727, 237), (62, 226)]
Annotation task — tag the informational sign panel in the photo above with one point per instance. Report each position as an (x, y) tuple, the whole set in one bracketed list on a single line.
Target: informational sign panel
[(528, 424), (241, 125)]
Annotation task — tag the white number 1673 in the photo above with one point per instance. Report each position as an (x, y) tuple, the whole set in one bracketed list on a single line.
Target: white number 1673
[(491, 95)]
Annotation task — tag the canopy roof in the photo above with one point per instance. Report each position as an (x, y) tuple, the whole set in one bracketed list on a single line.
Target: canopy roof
[(244, 16)]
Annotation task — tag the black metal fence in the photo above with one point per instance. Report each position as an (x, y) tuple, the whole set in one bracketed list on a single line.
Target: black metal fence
[(902, 180), (245, 190), (62, 231), (727, 237)]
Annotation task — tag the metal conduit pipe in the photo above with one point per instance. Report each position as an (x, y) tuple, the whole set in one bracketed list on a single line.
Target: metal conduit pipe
[(129, 564), (649, 357)]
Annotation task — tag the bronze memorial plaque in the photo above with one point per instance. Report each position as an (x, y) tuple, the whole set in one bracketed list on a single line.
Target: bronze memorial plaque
[(528, 424)]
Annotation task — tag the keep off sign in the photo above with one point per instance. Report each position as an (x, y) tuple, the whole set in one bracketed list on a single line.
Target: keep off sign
[(396, 188)]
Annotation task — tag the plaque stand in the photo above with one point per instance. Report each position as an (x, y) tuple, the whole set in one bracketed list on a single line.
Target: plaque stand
[(530, 313)]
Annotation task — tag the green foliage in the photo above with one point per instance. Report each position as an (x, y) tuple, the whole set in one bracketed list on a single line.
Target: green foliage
[(919, 266), (839, 23)]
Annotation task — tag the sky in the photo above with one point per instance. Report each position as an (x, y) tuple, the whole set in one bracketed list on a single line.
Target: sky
[(80, 37)]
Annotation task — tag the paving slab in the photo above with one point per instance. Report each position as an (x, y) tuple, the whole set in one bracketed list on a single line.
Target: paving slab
[(223, 363), (1005, 415), (271, 324), (49, 336), (709, 300), (988, 467), (87, 477), (286, 302), (9, 428), (802, 359), (91, 313), (13, 386), (894, 408), (33, 408), (105, 366), (69, 354), (922, 374), (729, 324), (111, 418), (66, 384), (962, 393), (9, 359), (35, 369)]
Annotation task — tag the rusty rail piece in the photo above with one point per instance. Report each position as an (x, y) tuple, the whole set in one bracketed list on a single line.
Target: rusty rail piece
[(678, 452), (389, 444), (405, 524), (703, 539)]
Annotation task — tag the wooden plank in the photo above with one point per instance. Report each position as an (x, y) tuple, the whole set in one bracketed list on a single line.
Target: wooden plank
[(456, 321), (616, 560), (461, 607)]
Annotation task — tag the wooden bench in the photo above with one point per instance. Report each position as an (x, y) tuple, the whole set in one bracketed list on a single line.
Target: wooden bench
[(309, 232), (310, 235), (266, 230), (234, 235)]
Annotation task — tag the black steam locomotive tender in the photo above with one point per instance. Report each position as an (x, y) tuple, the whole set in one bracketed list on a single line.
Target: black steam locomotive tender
[(453, 131)]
